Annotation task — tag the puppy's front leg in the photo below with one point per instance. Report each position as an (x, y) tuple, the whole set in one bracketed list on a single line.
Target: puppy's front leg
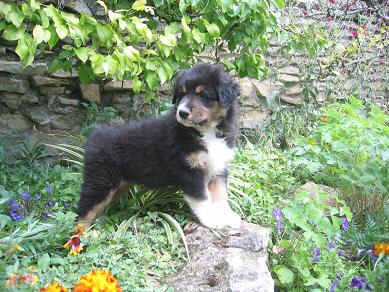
[(212, 214), (218, 190)]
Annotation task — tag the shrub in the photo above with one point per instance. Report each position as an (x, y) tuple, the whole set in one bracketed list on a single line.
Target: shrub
[(349, 150)]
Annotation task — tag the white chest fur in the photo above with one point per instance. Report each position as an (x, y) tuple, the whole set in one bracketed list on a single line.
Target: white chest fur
[(218, 153)]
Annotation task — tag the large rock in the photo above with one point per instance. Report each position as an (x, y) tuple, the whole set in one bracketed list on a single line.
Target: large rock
[(234, 261), (253, 118), (17, 68), (291, 70), (51, 90), (14, 85), (292, 99), (288, 79), (91, 92), (262, 87), (314, 189), (51, 82), (16, 122), (117, 85)]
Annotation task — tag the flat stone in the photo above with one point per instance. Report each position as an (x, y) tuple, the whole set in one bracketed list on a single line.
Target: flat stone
[(38, 114), (117, 85), (65, 74), (253, 118), (69, 101), (293, 90), (16, 122), (30, 98), (290, 70), (18, 68), (51, 90), (71, 121), (247, 89), (14, 85), (262, 87), (286, 78), (12, 100), (91, 92), (51, 82), (234, 261), (295, 100)]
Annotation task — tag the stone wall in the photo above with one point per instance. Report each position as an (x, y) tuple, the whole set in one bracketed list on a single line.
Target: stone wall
[(43, 104)]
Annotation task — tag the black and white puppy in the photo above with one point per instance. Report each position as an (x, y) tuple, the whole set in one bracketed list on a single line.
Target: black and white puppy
[(189, 147)]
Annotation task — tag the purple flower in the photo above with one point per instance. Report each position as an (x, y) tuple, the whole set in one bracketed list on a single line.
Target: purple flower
[(331, 245), (26, 195), (47, 214), (48, 189), (316, 254), (37, 196), (370, 252), (356, 282), (50, 203), (333, 286), (340, 253), (279, 228), (17, 212), (66, 205), (277, 215), (344, 223)]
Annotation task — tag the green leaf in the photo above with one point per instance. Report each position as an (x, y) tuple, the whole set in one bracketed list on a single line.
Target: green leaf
[(104, 33), (43, 262), (22, 48), (198, 36), (131, 53), (139, 5), (55, 66), (136, 85), (280, 4), (144, 31), (82, 53), (12, 33), (213, 30), (15, 16), (284, 274), (39, 34), (62, 31), (85, 73), (53, 37), (151, 79), (168, 40)]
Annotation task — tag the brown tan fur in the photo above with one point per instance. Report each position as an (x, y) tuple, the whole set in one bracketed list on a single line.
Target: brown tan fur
[(218, 189)]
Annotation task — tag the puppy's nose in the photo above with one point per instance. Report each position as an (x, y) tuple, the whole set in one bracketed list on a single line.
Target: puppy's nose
[(183, 114)]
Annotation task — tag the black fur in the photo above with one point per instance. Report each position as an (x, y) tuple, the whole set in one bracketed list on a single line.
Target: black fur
[(153, 152)]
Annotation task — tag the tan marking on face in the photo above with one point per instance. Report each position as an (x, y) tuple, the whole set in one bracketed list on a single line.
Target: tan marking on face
[(197, 160), (218, 189), (88, 219), (199, 88)]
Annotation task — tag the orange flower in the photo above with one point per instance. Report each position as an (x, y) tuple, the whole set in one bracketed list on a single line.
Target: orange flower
[(74, 244), (324, 119), (97, 281), (80, 229), (54, 287), (383, 247), (15, 280)]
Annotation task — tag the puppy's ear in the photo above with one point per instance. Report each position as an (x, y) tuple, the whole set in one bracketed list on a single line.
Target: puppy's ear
[(227, 88), (177, 89)]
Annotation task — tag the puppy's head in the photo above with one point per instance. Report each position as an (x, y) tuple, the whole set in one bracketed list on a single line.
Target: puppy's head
[(203, 94)]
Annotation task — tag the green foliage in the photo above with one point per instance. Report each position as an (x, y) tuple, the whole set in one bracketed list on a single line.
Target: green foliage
[(303, 257), (97, 114), (139, 42), (350, 149), (258, 179)]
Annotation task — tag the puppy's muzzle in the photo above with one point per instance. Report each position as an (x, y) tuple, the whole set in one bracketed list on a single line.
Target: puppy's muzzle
[(183, 113)]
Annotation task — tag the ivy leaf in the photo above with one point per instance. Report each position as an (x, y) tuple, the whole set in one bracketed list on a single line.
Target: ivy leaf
[(162, 75), (82, 53), (40, 34), (168, 40), (284, 274), (212, 29), (136, 85), (198, 36), (2, 25), (22, 48), (53, 37), (131, 53), (139, 5), (62, 31), (15, 16), (280, 4), (12, 33), (144, 31), (55, 66), (151, 79), (44, 19), (85, 73), (104, 33)]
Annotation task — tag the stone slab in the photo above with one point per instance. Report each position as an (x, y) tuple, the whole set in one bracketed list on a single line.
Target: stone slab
[(117, 85), (10, 84), (91, 92), (18, 68)]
